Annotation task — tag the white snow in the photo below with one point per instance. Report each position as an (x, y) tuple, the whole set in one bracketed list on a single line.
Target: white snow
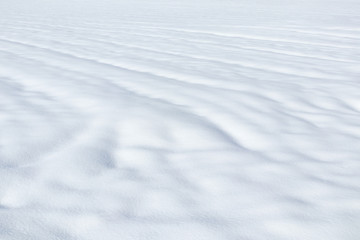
[(191, 120)]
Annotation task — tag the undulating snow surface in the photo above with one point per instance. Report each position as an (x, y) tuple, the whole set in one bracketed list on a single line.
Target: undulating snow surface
[(187, 120)]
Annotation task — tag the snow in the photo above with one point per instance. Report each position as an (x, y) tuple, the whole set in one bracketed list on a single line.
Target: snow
[(165, 119)]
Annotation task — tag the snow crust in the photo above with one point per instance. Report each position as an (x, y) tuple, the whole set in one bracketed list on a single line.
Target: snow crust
[(186, 120)]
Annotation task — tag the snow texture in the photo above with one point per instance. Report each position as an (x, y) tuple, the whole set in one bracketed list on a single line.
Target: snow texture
[(186, 120)]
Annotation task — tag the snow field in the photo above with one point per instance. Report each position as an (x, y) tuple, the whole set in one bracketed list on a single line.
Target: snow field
[(162, 120)]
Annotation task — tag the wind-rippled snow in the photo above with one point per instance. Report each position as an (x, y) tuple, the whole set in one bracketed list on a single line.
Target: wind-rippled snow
[(186, 120)]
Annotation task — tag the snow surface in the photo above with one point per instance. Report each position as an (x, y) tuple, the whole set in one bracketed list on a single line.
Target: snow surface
[(185, 120)]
